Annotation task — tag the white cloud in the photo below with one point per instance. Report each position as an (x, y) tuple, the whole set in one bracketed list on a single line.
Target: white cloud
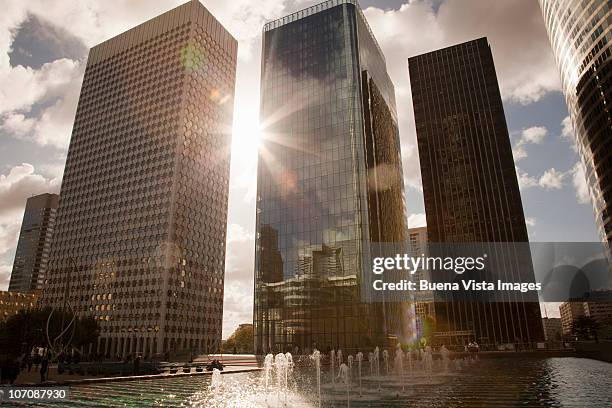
[(551, 179), (519, 152), (57, 83), (534, 134), (567, 128), (417, 220), (237, 305), (525, 180), (5, 275), (580, 184), (567, 132), (237, 233), (525, 73), (530, 221)]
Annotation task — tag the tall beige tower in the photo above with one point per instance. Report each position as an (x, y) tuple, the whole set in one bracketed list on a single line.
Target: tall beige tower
[(141, 224)]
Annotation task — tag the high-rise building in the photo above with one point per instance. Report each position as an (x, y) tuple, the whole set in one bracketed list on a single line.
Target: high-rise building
[(34, 243), (329, 182), (581, 36), (424, 302), (141, 225), (470, 186), (569, 312)]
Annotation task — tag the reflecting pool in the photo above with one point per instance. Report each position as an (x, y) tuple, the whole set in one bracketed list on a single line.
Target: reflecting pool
[(502, 382)]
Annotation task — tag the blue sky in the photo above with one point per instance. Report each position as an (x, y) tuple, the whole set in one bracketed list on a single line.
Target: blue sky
[(42, 61)]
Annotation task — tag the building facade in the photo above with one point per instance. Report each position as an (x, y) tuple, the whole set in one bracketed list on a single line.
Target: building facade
[(34, 244), (470, 187), (600, 311), (569, 312), (329, 182), (12, 302), (580, 33), (424, 309), (552, 329), (598, 307), (141, 225)]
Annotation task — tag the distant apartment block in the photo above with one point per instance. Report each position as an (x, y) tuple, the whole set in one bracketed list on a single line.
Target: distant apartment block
[(552, 329), (424, 309), (570, 311), (600, 311), (34, 244)]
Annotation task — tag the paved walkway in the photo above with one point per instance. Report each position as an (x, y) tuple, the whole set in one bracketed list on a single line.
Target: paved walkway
[(33, 377)]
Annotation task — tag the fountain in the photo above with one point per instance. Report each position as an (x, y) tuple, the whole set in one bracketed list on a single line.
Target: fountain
[(316, 356), (409, 354), (332, 359), (268, 362), (280, 365), (377, 362), (399, 364), (216, 382), (444, 352), (339, 357), (428, 358), (385, 354), (359, 359), (343, 376), (288, 368)]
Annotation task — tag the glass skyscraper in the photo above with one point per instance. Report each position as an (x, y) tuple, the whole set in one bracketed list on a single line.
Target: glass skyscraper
[(34, 245), (141, 224), (329, 182), (470, 187), (581, 35)]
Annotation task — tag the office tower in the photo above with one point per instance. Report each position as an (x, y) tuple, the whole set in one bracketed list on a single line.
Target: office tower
[(470, 186), (580, 34), (329, 182), (141, 226), (34, 243)]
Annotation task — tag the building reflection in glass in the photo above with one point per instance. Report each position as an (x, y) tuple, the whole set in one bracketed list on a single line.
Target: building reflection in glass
[(329, 183)]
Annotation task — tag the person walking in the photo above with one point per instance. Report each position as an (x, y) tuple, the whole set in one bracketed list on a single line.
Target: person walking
[(44, 368)]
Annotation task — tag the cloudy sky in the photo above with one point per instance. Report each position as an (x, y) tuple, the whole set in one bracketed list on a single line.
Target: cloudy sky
[(43, 51)]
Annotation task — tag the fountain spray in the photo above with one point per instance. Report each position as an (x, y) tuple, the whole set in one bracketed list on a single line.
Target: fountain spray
[(316, 356), (359, 359)]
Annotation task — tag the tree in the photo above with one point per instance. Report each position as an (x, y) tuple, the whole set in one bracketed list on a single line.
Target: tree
[(87, 331), (241, 340), (429, 326), (585, 328), (28, 328)]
